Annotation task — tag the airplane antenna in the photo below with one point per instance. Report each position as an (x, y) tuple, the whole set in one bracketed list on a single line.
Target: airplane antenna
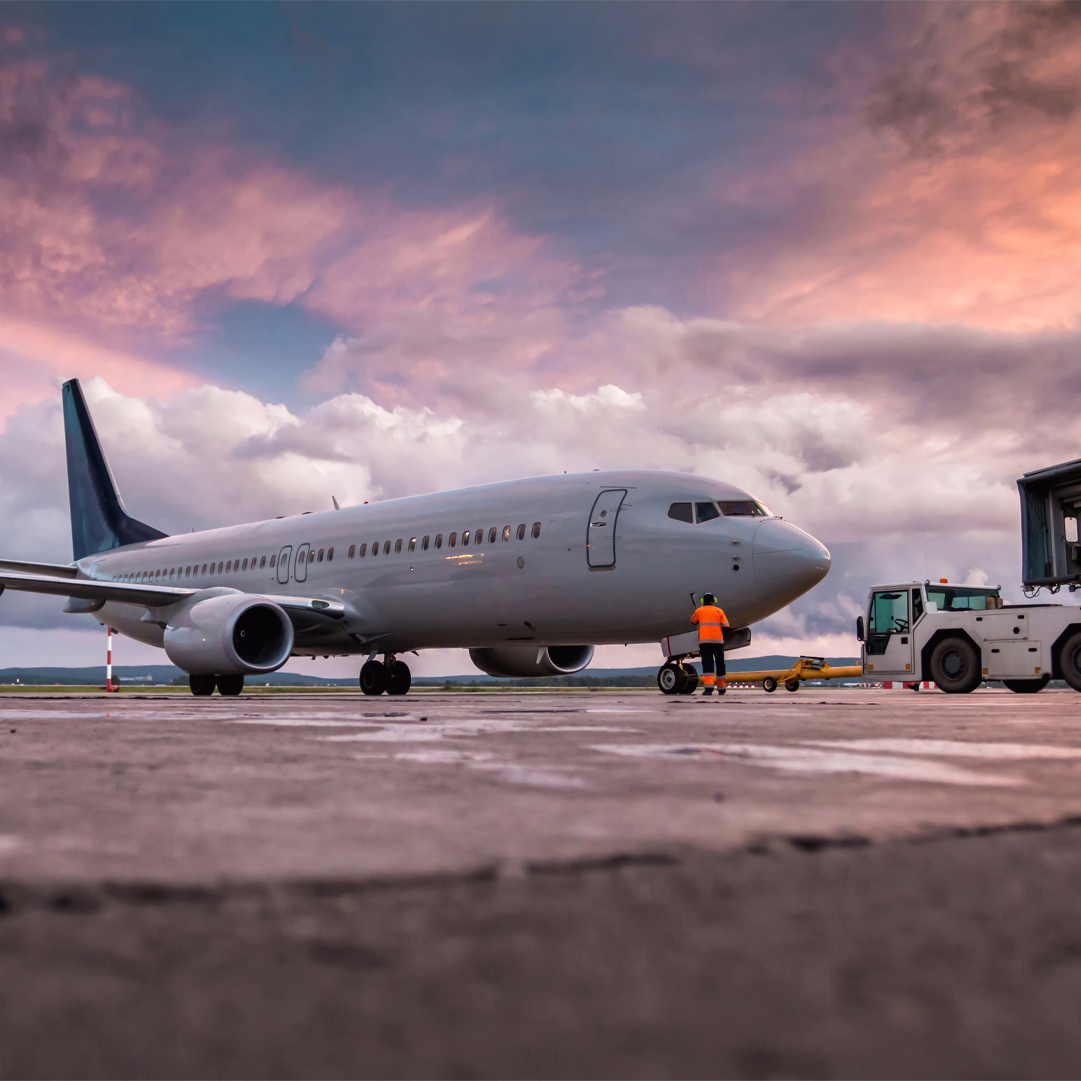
[(335, 502)]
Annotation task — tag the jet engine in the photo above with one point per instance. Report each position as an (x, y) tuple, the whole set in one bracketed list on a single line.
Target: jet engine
[(532, 660), (231, 634)]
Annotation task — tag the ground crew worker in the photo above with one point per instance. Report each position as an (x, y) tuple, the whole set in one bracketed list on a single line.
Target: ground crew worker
[(711, 619)]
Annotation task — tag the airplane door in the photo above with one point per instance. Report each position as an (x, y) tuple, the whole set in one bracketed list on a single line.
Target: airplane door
[(283, 564), (300, 568), (601, 535)]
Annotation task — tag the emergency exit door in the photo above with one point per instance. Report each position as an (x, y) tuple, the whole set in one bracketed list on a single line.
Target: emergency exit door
[(601, 536)]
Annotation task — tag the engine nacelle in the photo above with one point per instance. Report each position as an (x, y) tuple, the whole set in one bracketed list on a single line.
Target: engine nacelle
[(231, 634), (532, 660)]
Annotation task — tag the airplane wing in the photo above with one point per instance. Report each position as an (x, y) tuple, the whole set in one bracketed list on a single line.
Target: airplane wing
[(147, 596), (55, 570)]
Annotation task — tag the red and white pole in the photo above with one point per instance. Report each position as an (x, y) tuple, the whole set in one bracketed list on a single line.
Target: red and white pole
[(109, 660)]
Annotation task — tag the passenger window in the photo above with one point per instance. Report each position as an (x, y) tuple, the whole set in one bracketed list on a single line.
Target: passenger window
[(506, 533), (398, 546), (352, 550), (219, 568), (187, 572), (319, 558), (311, 556), (681, 512), (262, 561), (330, 554), (491, 535), (536, 530), (412, 544), (707, 512), (171, 572), (245, 567), (363, 550), (424, 545), (465, 539), (386, 548), (439, 540), (453, 539), (521, 531), (204, 569), (375, 548)]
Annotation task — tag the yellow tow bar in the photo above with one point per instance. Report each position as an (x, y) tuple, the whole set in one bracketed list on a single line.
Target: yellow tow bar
[(804, 668)]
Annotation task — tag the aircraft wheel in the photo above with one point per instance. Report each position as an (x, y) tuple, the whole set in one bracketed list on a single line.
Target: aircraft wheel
[(202, 685), (769, 685), (230, 685), (399, 679), (373, 677), (791, 684), (670, 678), (1027, 686), (1069, 660), (955, 667), (690, 679)]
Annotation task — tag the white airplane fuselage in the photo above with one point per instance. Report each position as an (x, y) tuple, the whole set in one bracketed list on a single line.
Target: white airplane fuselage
[(647, 570)]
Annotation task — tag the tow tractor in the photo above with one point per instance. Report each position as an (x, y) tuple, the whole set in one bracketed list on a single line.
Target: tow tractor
[(961, 635)]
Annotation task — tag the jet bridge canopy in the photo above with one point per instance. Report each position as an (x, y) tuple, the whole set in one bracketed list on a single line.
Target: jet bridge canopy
[(1050, 512)]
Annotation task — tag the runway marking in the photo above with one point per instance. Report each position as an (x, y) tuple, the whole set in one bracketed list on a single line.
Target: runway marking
[(579, 728), (510, 772), (808, 760), (444, 758), (952, 748), (304, 722)]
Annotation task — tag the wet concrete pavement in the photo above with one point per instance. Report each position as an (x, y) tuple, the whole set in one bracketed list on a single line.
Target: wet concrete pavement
[(835, 882)]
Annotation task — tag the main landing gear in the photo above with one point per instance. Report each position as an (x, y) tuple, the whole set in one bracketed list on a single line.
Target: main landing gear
[(392, 677), (677, 678), (203, 685)]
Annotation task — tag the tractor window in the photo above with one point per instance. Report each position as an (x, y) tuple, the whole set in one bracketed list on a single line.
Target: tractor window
[(962, 599), (917, 606), (707, 512), (889, 612), (681, 512)]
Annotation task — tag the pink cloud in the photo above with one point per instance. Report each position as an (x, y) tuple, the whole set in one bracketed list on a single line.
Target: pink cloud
[(946, 192)]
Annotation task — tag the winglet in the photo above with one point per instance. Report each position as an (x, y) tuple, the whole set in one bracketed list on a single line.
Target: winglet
[(98, 519)]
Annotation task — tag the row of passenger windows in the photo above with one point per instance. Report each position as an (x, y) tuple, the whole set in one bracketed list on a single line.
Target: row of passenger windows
[(234, 566), (230, 566), (707, 511), (453, 539)]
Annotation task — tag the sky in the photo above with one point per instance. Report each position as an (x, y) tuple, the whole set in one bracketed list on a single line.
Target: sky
[(828, 253)]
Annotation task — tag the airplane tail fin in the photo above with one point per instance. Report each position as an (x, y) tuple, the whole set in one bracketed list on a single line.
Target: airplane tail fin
[(98, 519)]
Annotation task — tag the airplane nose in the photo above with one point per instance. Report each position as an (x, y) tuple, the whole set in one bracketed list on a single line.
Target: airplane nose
[(785, 555)]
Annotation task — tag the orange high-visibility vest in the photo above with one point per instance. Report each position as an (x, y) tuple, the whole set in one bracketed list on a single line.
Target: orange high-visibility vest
[(710, 620)]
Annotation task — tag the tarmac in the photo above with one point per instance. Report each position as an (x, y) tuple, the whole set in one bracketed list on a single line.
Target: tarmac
[(837, 882)]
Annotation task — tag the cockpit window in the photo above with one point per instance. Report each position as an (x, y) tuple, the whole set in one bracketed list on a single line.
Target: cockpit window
[(681, 512), (743, 508), (707, 511)]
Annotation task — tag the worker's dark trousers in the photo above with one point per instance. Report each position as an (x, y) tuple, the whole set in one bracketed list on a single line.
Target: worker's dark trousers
[(712, 659)]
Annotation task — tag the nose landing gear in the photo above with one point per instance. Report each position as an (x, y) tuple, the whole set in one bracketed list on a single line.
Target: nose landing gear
[(676, 678)]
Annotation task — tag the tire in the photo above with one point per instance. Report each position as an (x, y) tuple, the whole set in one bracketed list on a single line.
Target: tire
[(690, 679), (769, 685), (373, 677), (1026, 686), (955, 666), (1069, 661), (399, 679), (202, 685), (230, 685), (791, 684)]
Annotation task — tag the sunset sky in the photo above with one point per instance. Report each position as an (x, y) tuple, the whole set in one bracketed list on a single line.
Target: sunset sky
[(829, 253)]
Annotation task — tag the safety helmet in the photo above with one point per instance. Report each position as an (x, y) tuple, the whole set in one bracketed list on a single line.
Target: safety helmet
[(709, 599)]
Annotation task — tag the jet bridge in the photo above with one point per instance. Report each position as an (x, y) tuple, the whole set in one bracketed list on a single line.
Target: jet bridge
[(1050, 514)]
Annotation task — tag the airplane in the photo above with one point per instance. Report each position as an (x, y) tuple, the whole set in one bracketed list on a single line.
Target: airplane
[(528, 575)]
